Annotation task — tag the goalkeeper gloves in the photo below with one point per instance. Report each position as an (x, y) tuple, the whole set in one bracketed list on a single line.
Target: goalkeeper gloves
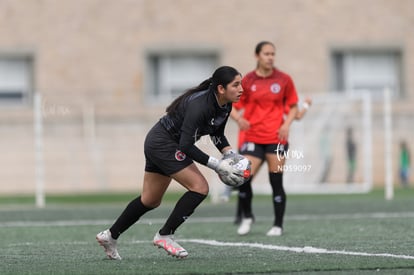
[(231, 154), (224, 168)]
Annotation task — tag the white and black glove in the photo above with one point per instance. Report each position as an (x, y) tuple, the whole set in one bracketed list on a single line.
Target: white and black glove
[(224, 168), (231, 154)]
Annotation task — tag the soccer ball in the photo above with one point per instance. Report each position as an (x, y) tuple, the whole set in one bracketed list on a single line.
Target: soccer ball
[(243, 165)]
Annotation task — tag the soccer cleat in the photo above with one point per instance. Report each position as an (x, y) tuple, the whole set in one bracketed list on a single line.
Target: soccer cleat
[(105, 239), (245, 226), (168, 244), (275, 231), (237, 220)]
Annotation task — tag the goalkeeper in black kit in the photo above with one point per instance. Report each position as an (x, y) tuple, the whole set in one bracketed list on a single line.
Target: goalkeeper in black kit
[(170, 153)]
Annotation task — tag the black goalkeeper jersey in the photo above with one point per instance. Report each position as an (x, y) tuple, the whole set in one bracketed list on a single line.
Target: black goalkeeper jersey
[(198, 115)]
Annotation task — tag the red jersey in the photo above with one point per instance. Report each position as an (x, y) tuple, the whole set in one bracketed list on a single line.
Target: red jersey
[(264, 101)]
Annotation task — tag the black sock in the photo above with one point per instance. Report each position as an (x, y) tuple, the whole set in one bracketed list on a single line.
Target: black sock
[(182, 210), (278, 198), (245, 199), (129, 216)]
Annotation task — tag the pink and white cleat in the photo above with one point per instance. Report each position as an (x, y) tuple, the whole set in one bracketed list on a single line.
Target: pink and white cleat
[(168, 244), (105, 240)]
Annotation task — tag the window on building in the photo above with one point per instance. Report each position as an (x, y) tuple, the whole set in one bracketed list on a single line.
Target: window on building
[(367, 70), (170, 74), (15, 79)]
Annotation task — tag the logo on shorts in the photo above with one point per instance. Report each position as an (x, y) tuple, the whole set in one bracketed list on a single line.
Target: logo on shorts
[(180, 156), (275, 88)]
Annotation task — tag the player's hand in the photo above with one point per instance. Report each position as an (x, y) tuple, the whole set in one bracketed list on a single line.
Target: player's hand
[(225, 169), (243, 124), (283, 133), (229, 154), (308, 100)]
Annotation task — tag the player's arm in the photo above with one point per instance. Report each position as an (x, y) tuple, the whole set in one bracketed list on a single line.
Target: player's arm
[(284, 129), (193, 120), (304, 109), (221, 166), (291, 99), (189, 132), (219, 139), (243, 123), (222, 144)]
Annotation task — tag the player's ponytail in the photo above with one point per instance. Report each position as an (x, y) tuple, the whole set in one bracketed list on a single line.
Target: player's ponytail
[(222, 76)]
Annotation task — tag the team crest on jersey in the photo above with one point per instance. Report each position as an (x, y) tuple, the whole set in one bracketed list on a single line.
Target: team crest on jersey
[(180, 156), (275, 88), (253, 88)]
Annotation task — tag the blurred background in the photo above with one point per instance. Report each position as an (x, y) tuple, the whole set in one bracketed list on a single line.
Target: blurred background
[(81, 82)]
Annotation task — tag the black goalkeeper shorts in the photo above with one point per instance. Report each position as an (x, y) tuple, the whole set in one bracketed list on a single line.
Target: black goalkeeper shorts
[(161, 153)]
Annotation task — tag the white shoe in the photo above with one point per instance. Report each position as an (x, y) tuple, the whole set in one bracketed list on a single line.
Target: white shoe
[(105, 239), (275, 231), (245, 226), (168, 244)]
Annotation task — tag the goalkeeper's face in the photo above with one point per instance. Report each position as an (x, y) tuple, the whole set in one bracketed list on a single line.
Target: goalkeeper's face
[(232, 92)]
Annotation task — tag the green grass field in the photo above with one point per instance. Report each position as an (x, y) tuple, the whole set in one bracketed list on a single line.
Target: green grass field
[(324, 234)]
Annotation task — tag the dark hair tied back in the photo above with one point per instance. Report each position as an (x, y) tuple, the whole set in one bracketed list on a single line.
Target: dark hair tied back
[(221, 76)]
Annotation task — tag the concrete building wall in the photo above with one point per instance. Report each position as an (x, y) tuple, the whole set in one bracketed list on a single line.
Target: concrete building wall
[(93, 53)]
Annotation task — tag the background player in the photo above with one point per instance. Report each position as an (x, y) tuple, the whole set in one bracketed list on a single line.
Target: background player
[(228, 189), (268, 93)]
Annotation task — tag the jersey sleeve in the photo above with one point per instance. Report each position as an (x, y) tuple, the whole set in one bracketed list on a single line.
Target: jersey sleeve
[(218, 137), (190, 128)]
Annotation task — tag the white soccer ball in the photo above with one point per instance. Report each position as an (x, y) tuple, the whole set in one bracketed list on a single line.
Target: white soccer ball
[(243, 165)]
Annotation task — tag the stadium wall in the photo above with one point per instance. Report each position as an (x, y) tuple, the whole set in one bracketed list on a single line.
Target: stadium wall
[(90, 55)]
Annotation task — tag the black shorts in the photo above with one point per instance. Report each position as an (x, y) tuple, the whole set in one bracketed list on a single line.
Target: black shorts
[(260, 150), (161, 153)]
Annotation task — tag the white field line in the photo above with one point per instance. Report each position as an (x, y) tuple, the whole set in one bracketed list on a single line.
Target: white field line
[(306, 249), (207, 219)]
